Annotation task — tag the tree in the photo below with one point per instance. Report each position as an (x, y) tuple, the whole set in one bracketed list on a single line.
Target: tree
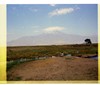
[(88, 41)]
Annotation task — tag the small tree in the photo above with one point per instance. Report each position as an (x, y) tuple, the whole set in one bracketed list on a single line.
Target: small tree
[(88, 41)]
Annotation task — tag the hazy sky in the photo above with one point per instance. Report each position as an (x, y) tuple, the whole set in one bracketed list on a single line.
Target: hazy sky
[(30, 20)]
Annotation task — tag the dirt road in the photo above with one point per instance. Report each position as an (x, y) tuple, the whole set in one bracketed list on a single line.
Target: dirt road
[(55, 69)]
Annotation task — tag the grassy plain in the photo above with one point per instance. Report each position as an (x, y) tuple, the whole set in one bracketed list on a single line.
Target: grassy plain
[(75, 67), (14, 53)]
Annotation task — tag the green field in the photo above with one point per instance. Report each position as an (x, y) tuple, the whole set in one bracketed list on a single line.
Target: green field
[(19, 52)]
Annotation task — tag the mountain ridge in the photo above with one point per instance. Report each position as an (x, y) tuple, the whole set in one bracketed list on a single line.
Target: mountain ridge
[(57, 38)]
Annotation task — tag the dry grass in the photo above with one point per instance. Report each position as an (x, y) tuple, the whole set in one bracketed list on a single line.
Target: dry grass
[(56, 69)]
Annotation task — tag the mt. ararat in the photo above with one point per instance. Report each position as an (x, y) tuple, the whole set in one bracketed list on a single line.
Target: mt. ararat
[(56, 38)]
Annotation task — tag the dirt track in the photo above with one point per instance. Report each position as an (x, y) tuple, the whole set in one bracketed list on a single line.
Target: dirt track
[(56, 69)]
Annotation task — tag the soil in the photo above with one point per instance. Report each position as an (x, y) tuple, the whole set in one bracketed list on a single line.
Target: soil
[(58, 68)]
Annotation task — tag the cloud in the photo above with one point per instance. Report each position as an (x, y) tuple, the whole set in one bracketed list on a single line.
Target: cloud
[(36, 31), (52, 5), (53, 29), (77, 7), (33, 9), (35, 26), (61, 11)]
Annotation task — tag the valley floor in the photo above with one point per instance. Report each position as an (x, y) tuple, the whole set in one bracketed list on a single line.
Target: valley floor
[(57, 68)]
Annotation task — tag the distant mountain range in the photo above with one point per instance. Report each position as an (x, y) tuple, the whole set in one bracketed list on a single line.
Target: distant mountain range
[(57, 38)]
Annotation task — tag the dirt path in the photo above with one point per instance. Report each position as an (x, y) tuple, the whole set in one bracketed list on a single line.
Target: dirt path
[(56, 69)]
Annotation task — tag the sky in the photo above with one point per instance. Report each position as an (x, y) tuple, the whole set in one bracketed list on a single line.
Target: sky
[(35, 19)]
